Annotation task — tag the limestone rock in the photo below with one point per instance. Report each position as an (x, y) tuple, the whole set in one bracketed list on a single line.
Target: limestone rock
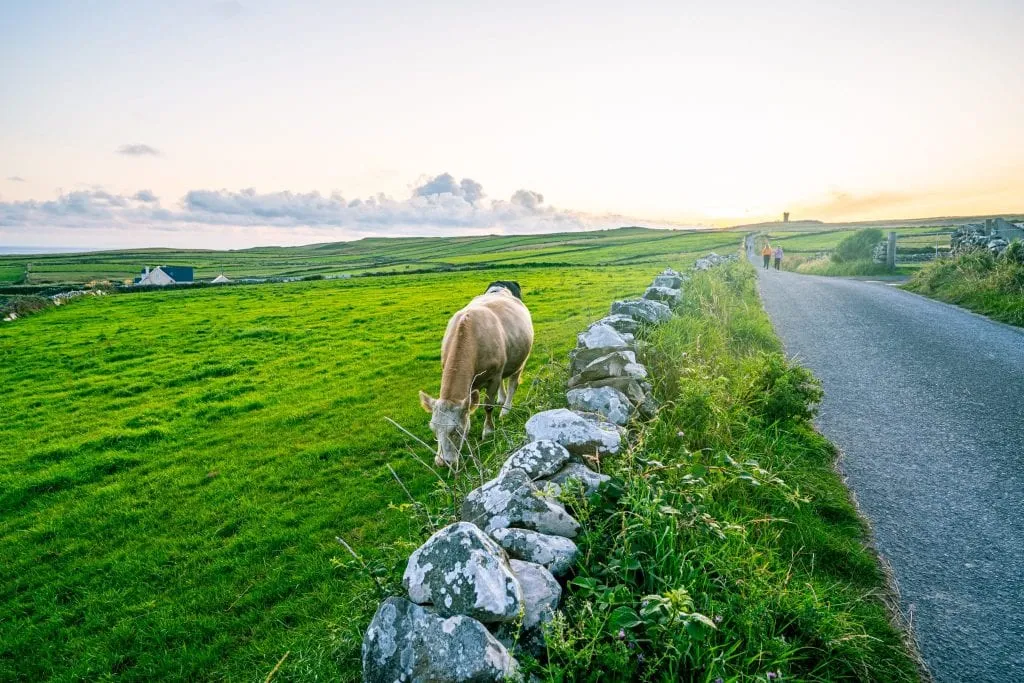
[(600, 336), (615, 364), (581, 358), (556, 553), (406, 642), (638, 393), (460, 570), (541, 592), (644, 310), (670, 281), (537, 458), (623, 324), (666, 295), (590, 479), (579, 436), (512, 500), (608, 402)]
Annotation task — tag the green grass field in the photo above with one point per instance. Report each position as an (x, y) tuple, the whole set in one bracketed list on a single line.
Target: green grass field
[(622, 246), (175, 466)]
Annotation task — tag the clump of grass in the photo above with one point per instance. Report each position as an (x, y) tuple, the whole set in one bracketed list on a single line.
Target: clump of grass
[(726, 546), (825, 265), (979, 281)]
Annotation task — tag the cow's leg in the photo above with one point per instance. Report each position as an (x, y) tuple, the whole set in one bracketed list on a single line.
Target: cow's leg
[(492, 394), (513, 384), (501, 393)]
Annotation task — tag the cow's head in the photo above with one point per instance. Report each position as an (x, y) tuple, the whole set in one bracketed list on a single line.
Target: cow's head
[(511, 285), (449, 420)]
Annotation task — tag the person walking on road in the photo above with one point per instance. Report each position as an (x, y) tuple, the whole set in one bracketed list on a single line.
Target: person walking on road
[(767, 254), (778, 257)]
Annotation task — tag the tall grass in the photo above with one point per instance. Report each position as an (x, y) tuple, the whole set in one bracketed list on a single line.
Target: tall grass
[(727, 547), (978, 281)]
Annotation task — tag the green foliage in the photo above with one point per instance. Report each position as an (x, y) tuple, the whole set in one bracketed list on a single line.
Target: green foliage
[(1014, 252), (22, 305), (858, 246), (783, 392), (979, 281), (726, 545)]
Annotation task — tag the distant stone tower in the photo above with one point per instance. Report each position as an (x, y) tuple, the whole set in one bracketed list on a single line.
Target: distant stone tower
[(785, 216)]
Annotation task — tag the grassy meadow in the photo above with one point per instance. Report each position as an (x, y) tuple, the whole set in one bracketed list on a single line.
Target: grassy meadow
[(620, 247), (175, 467)]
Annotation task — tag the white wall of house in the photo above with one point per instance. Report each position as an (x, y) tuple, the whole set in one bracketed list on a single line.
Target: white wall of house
[(156, 277)]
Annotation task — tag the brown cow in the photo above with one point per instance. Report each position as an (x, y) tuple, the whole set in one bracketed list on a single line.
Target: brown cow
[(486, 342)]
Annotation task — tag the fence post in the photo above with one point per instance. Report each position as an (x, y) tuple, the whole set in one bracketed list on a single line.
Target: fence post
[(890, 251)]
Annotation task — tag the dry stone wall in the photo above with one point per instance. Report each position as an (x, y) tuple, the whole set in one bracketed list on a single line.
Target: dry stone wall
[(481, 590)]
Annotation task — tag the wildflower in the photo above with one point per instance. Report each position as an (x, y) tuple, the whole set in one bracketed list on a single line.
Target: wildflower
[(681, 434), (718, 618), (622, 634), (719, 680), (772, 675)]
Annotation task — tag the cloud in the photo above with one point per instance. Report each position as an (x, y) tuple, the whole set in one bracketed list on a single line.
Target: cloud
[(528, 199), (138, 150), (843, 205), (16, 179), (467, 189), (437, 206)]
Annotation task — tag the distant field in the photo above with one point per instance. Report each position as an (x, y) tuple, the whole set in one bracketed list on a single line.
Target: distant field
[(175, 466), (598, 248), (826, 240)]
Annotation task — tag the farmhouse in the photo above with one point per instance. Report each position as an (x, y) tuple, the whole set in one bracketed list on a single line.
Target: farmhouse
[(165, 275), (220, 280)]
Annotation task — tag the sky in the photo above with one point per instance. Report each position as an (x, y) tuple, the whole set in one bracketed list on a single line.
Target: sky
[(215, 124)]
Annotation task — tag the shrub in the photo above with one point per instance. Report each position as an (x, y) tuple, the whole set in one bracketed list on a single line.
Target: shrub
[(1014, 253), (783, 392), (857, 247)]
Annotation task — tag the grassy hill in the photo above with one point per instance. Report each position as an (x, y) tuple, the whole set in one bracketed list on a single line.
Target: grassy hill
[(623, 246)]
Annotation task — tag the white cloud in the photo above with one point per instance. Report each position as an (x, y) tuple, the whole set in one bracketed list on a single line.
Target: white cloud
[(440, 205), (16, 179)]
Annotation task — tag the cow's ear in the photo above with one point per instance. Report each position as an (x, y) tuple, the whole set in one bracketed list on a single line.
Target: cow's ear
[(427, 402), (474, 400)]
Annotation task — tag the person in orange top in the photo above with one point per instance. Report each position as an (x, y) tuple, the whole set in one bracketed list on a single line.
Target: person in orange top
[(767, 254)]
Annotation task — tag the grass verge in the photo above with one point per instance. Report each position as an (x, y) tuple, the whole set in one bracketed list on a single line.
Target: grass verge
[(978, 281), (824, 265), (727, 547)]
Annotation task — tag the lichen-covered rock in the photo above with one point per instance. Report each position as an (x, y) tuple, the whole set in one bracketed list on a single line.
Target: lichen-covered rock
[(574, 471), (623, 324), (670, 281), (608, 402), (513, 500), (556, 553), (670, 271), (638, 393), (644, 310), (664, 294), (537, 458), (406, 642), (460, 570), (615, 364), (541, 592), (600, 336), (579, 436), (581, 358), (712, 260)]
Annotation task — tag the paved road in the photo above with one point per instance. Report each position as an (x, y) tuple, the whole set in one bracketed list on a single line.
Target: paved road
[(926, 402)]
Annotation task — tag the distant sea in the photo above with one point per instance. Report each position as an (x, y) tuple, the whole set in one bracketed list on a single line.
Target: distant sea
[(43, 250)]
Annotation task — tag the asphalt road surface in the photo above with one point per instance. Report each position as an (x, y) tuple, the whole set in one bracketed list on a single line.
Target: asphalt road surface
[(926, 403)]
